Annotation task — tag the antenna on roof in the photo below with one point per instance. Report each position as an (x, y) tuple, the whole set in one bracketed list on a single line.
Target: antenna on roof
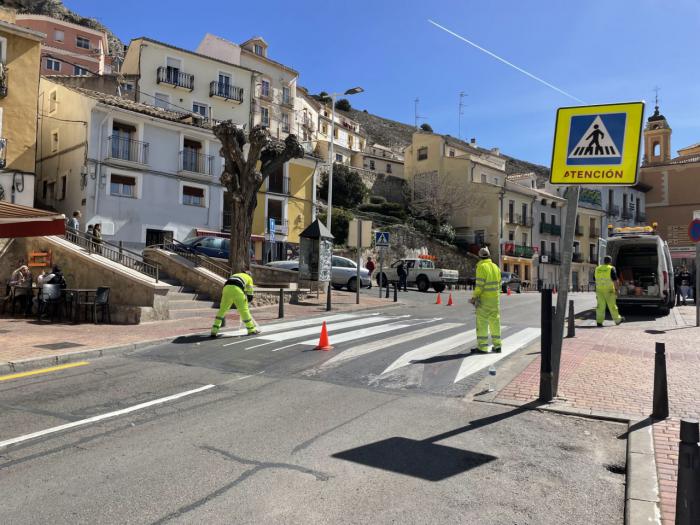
[(461, 112), (415, 112), (656, 97)]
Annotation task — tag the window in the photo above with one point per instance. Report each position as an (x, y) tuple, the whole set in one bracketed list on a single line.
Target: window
[(452, 152), (505, 267), (162, 100), (286, 95), (82, 42), (543, 248), (192, 196), (553, 248), (54, 141), (543, 218), (524, 211), (338, 157), (58, 35), (53, 101), (554, 205), (553, 219), (265, 88), (324, 128), (388, 168), (527, 273), (172, 70), (483, 177), (656, 150), (258, 49), (524, 237), (64, 183), (122, 186), (44, 190), (265, 116), (511, 211), (422, 153), (335, 133), (128, 87), (53, 64), (496, 180), (511, 236), (285, 122), (371, 165), (80, 71), (591, 226), (200, 109), (592, 252), (350, 141)]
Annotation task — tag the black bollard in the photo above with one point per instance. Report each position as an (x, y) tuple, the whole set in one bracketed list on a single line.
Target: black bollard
[(688, 488), (280, 313), (660, 410), (396, 293), (571, 328), (328, 297), (546, 372)]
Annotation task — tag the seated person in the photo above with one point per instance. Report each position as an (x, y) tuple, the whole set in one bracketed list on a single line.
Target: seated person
[(21, 284), (55, 277)]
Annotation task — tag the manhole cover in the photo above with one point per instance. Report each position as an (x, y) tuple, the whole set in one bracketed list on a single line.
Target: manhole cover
[(59, 346)]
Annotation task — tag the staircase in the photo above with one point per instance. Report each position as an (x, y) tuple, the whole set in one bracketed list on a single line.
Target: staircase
[(185, 302)]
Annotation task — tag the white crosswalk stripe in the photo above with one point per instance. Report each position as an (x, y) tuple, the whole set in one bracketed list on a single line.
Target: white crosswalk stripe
[(293, 334), (509, 345), (373, 346), (431, 350)]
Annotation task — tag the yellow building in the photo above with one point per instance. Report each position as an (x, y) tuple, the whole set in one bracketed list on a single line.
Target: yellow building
[(589, 228), (20, 61), (518, 202)]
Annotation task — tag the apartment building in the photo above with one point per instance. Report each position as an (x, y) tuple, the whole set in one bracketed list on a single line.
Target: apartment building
[(348, 142), (380, 159), (517, 225), (144, 173), (69, 49), (549, 216), (20, 55)]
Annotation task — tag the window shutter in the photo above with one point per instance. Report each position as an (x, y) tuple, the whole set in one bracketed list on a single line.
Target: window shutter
[(193, 192), (121, 179)]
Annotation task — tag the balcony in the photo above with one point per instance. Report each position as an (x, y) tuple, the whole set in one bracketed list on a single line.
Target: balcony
[(525, 221), (3, 153), (627, 214), (278, 185), (613, 210), (577, 257), (513, 219), (281, 227), (195, 162), (287, 101), (516, 250), (175, 78), (226, 91), (122, 148), (551, 229), (579, 230)]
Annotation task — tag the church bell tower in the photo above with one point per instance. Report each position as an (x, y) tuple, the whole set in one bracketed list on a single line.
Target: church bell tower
[(657, 139)]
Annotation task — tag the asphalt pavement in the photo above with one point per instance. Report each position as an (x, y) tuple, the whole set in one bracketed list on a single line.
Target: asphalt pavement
[(266, 429)]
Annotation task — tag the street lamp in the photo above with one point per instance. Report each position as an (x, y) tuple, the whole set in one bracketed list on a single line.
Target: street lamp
[(331, 154)]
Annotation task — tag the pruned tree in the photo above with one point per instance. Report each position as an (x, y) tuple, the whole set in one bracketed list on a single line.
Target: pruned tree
[(244, 174), (433, 198)]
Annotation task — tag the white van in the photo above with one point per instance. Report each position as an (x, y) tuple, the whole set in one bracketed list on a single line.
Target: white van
[(644, 268)]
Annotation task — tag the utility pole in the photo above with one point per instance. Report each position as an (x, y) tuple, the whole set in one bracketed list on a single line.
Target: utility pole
[(461, 112), (415, 112)]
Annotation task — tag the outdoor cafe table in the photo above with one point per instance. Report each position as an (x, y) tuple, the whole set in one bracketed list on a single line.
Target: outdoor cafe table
[(76, 294)]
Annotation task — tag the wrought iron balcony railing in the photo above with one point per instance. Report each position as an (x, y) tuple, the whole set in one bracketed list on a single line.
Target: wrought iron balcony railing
[(281, 225), (195, 162), (551, 229), (122, 148), (174, 77), (225, 91), (278, 185)]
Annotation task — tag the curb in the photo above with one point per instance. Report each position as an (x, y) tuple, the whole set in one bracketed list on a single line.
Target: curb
[(12, 367), (642, 487)]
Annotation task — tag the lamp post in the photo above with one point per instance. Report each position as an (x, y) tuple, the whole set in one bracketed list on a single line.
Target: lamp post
[(331, 154)]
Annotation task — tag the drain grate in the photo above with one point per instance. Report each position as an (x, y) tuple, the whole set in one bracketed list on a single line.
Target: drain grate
[(59, 346), (616, 469)]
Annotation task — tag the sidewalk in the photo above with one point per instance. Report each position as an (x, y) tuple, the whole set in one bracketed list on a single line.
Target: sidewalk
[(28, 343), (610, 372)]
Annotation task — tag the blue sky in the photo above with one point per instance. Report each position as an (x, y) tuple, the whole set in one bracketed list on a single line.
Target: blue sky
[(598, 50)]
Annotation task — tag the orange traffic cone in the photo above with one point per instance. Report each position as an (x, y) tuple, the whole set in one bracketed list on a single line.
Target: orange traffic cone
[(508, 290), (323, 342), (439, 299), (449, 300)]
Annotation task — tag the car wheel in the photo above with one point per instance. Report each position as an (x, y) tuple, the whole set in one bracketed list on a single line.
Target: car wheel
[(352, 284), (423, 284), (439, 288), (337, 287)]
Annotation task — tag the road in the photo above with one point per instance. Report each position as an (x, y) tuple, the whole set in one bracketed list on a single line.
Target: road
[(267, 430)]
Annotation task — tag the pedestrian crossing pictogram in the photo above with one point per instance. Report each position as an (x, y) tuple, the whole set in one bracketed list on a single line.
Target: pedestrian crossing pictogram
[(596, 139), (381, 239)]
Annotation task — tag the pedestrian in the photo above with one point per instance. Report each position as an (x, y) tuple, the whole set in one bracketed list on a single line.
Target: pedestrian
[(606, 290), (486, 298), (685, 281), (55, 277), (21, 286), (74, 221), (238, 292), (369, 265), (97, 238), (403, 276)]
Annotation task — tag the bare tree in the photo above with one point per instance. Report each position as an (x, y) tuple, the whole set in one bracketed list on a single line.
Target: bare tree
[(244, 175), (435, 198)]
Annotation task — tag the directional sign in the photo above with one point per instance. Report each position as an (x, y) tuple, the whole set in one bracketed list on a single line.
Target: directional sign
[(597, 144), (381, 239), (694, 230)]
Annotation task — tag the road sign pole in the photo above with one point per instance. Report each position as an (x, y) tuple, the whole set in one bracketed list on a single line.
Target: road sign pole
[(358, 282), (381, 271), (566, 256), (697, 283)]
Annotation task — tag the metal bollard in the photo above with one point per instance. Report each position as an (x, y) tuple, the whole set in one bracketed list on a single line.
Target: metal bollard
[(280, 312), (387, 291), (396, 293), (660, 410), (572, 327), (328, 297), (688, 488), (546, 372)]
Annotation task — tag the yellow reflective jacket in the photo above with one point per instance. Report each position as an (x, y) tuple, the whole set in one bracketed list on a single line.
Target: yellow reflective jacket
[(488, 280), (603, 277), (243, 281)]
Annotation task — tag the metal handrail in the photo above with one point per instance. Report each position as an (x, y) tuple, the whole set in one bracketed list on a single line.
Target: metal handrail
[(203, 261), (224, 90), (175, 77), (114, 252)]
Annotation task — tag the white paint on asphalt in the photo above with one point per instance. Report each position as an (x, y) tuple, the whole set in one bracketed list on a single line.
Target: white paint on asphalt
[(431, 350), (294, 334), (108, 415), (509, 345), (364, 332), (373, 346)]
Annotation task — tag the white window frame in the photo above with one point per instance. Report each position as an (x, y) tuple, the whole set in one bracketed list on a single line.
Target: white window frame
[(57, 142), (262, 120), (264, 81), (163, 97), (258, 47), (286, 122), (202, 104), (80, 71), (134, 175), (181, 195), (285, 211), (78, 38), (63, 35), (288, 91), (53, 101), (3, 49), (53, 61)]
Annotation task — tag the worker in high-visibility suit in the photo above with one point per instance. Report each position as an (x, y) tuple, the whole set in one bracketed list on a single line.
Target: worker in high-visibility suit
[(486, 298), (606, 291), (238, 291)]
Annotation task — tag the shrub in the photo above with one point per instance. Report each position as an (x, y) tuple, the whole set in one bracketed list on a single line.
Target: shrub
[(343, 104), (377, 199), (348, 188), (340, 226)]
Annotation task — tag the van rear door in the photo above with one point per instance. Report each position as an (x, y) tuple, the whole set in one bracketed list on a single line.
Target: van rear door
[(671, 275)]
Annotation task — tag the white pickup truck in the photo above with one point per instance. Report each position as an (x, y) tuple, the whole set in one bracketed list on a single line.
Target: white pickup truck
[(421, 273)]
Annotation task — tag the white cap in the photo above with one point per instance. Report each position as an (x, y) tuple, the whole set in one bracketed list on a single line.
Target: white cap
[(484, 253)]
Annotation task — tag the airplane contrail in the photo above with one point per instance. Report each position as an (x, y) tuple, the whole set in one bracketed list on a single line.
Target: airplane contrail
[(555, 88)]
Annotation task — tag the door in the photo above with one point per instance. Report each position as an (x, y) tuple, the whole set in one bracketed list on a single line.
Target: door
[(172, 69), (158, 237)]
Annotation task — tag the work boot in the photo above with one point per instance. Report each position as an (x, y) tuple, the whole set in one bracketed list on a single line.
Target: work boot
[(479, 351), (496, 349), (599, 325), (620, 321), (213, 336), (254, 332)]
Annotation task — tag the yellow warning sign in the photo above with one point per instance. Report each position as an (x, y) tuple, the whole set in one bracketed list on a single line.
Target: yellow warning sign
[(597, 144)]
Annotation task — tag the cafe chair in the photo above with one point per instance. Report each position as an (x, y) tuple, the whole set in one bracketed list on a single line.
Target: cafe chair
[(101, 301), (50, 300)]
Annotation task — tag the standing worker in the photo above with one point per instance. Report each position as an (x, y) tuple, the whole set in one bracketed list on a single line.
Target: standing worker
[(606, 291), (238, 291), (486, 298), (402, 274), (369, 265)]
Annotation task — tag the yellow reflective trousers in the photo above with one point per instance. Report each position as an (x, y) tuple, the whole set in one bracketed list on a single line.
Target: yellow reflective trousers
[(488, 308)]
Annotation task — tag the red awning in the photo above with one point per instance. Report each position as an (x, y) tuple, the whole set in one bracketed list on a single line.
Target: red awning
[(23, 221)]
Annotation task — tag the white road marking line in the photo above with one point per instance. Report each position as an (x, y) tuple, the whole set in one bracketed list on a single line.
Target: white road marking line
[(291, 324), (432, 349), (100, 417), (509, 345), (363, 332), (293, 334), (358, 351)]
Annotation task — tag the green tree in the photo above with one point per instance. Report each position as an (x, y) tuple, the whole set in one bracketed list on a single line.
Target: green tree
[(348, 189), (323, 98), (340, 226), (343, 105), (426, 127)]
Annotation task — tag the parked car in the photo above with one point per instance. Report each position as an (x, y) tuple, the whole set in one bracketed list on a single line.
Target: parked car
[(512, 281), (343, 272), (422, 273), (210, 246)]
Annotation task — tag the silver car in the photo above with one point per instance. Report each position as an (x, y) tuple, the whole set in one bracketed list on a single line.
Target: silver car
[(343, 272)]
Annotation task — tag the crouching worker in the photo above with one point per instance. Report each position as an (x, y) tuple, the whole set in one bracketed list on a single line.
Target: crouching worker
[(238, 291)]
